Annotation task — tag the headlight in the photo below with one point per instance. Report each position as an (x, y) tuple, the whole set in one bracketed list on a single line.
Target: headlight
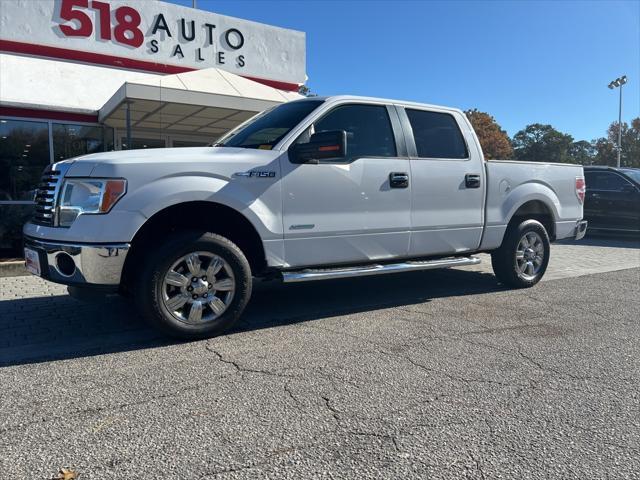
[(88, 195)]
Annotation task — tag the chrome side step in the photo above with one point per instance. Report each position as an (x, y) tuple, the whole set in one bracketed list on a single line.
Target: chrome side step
[(365, 270)]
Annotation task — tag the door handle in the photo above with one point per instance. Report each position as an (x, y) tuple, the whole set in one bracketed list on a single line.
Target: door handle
[(472, 180), (398, 180)]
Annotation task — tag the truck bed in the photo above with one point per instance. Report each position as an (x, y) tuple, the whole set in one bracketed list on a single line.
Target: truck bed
[(510, 183)]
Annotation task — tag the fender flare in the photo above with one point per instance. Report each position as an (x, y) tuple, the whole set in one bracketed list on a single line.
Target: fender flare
[(496, 227), (528, 192), (166, 192)]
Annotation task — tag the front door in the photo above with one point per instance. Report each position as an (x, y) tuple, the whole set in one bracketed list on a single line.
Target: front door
[(448, 184), (348, 211)]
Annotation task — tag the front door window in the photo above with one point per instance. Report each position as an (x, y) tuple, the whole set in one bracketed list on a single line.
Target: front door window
[(369, 132)]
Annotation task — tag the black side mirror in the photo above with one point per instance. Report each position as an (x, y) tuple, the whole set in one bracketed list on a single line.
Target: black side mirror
[(321, 146)]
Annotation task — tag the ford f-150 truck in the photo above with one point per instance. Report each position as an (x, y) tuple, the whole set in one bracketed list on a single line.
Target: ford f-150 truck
[(318, 188)]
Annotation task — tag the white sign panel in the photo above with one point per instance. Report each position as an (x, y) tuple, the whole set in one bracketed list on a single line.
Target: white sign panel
[(153, 32)]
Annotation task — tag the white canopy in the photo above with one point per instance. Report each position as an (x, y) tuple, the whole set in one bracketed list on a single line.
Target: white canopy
[(207, 101)]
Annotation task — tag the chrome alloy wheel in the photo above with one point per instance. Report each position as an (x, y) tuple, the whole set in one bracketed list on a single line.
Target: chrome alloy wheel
[(529, 256), (198, 287)]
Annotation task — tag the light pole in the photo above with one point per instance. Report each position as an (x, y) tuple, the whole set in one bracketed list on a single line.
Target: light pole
[(618, 83)]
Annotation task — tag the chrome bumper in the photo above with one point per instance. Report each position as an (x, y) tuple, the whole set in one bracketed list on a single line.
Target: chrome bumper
[(581, 229), (99, 265)]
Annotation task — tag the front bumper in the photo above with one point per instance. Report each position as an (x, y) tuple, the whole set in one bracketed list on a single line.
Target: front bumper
[(581, 229), (95, 265)]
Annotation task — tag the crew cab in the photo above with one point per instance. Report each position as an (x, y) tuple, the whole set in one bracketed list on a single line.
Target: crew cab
[(313, 189)]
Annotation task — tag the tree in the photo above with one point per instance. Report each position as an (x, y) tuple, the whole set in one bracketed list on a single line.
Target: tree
[(605, 152), (606, 147), (493, 139), (542, 143), (631, 145), (306, 91), (582, 153)]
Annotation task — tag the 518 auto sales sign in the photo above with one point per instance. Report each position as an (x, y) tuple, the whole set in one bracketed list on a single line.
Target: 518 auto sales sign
[(152, 32)]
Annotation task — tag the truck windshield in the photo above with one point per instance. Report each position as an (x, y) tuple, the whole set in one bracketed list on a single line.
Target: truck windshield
[(269, 127)]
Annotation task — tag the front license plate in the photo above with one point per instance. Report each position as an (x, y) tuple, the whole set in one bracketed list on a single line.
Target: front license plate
[(32, 261)]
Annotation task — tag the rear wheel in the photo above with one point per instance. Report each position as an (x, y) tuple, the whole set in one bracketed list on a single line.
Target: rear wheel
[(195, 285), (522, 259)]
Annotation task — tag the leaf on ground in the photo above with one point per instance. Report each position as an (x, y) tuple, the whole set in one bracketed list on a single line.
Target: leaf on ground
[(66, 474)]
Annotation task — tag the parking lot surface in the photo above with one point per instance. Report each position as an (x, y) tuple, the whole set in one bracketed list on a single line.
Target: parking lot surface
[(440, 374)]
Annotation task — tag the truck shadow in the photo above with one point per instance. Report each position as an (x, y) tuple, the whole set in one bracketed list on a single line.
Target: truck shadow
[(39, 329), (277, 304)]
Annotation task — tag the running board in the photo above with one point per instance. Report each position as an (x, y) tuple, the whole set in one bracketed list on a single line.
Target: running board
[(366, 270)]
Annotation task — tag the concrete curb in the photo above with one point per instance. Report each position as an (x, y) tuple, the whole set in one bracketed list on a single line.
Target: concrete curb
[(12, 269)]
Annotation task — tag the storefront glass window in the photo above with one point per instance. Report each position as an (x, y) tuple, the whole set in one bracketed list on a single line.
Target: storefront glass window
[(73, 140), (12, 218), (24, 152)]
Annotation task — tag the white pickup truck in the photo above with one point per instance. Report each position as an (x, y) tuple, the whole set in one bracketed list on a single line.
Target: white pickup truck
[(319, 188)]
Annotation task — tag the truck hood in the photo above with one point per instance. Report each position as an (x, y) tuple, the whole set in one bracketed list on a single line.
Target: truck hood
[(167, 161)]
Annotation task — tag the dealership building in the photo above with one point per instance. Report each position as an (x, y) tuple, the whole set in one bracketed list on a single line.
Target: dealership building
[(85, 76)]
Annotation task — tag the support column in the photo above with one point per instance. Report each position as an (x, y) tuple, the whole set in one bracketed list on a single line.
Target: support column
[(128, 125)]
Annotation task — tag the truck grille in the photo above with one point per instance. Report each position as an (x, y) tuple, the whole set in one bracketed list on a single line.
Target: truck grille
[(45, 197), (47, 194)]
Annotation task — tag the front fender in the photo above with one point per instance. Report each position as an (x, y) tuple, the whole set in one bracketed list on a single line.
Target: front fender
[(259, 202)]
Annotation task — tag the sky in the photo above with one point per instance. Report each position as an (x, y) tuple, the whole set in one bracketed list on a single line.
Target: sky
[(521, 61)]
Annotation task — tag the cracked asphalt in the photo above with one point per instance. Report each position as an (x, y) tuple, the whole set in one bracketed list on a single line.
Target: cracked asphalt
[(440, 374)]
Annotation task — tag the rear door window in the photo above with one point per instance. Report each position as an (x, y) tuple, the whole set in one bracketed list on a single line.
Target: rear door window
[(437, 135), (607, 181)]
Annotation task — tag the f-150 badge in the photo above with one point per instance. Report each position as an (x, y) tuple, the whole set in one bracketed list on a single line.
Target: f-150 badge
[(256, 173)]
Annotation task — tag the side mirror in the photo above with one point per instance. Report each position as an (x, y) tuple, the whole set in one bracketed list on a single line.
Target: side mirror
[(321, 146)]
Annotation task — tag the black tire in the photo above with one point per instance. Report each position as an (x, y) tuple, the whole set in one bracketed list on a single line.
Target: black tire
[(150, 288), (503, 260)]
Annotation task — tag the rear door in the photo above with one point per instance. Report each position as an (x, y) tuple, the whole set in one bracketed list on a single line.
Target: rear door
[(347, 211), (448, 183)]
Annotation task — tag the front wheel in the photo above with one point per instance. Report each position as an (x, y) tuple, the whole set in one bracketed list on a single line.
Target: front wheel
[(522, 259), (195, 285)]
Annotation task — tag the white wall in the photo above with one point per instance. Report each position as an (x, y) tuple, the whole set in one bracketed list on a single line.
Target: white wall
[(268, 52), (56, 85)]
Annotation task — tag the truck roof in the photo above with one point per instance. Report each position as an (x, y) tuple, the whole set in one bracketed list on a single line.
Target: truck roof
[(383, 100), (608, 167)]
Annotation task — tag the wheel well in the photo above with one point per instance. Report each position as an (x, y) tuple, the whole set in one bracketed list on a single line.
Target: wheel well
[(536, 210), (207, 216)]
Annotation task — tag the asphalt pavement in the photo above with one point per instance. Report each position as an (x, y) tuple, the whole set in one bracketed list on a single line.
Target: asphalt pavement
[(439, 374)]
